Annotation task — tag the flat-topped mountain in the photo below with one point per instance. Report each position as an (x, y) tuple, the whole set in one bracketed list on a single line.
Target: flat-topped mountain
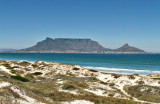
[(69, 45)]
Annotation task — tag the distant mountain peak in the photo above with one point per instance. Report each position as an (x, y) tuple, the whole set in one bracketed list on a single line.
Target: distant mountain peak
[(126, 45), (127, 48), (48, 38)]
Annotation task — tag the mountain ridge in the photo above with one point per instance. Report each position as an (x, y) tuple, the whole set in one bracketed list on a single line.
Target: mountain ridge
[(73, 45)]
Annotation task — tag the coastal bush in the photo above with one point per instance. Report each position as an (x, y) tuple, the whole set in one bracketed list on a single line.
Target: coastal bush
[(75, 68), (35, 66), (111, 84), (13, 71), (131, 77), (156, 79), (37, 73), (105, 83), (141, 82), (93, 70), (116, 75), (69, 87), (24, 63), (94, 79), (18, 77)]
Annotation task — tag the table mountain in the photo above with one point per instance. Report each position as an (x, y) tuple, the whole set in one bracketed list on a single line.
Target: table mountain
[(69, 45)]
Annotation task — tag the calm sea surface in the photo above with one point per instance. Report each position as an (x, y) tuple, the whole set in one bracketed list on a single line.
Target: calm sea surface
[(142, 64)]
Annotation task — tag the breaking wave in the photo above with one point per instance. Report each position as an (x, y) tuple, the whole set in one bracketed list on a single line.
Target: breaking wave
[(123, 71)]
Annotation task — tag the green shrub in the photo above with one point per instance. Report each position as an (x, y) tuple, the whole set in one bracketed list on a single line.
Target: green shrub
[(24, 63), (18, 77), (13, 71), (93, 70), (35, 66), (75, 68), (116, 75), (37, 73), (69, 87)]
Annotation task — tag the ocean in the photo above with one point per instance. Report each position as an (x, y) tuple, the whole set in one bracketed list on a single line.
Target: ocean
[(142, 64)]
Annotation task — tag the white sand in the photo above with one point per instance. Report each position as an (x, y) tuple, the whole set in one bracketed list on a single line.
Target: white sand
[(22, 94), (4, 84), (4, 69), (78, 102)]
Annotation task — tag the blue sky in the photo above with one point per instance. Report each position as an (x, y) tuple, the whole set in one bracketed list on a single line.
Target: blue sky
[(110, 22)]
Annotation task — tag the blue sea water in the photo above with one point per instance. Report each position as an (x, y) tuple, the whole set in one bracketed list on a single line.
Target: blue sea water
[(142, 64)]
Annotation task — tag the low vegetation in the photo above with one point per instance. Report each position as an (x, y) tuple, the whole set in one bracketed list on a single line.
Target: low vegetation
[(69, 87), (35, 66), (24, 63), (75, 68), (50, 90), (145, 93), (18, 77), (52, 83), (7, 66), (13, 71), (93, 70), (37, 73)]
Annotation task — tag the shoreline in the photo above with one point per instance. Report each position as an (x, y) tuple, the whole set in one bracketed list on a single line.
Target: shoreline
[(34, 62), (89, 52), (121, 71)]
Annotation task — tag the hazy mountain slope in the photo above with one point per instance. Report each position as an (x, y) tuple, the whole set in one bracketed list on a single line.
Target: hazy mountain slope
[(6, 50)]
